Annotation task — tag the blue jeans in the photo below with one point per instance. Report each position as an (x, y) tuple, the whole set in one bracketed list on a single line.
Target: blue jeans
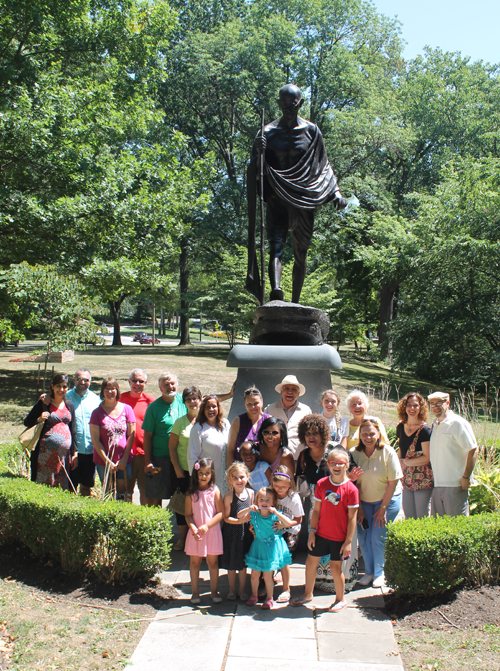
[(372, 540)]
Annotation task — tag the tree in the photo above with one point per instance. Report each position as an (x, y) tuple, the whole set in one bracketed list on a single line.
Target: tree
[(57, 305), (225, 298), (449, 307), (114, 281)]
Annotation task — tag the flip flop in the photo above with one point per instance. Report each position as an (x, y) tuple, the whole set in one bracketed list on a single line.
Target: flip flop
[(336, 607), (284, 597), (299, 601)]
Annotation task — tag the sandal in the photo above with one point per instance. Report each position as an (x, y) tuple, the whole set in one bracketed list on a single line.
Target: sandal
[(217, 599), (284, 597), (252, 600), (336, 607), (231, 596), (179, 546), (195, 600), (299, 601), (268, 604)]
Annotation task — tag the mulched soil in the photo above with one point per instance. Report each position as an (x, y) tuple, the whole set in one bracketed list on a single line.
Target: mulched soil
[(458, 609), (17, 563)]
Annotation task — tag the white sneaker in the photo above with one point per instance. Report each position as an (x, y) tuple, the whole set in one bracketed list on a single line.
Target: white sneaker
[(365, 580), (379, 582)]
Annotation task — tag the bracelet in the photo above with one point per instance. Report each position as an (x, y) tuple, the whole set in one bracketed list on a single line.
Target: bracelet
[(465, 477), (312, 530)]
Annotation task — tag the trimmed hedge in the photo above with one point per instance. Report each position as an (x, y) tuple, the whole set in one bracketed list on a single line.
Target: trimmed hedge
[(116, 541), (431, 555)]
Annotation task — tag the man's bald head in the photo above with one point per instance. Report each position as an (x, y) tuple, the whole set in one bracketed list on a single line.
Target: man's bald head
[(290, 90)]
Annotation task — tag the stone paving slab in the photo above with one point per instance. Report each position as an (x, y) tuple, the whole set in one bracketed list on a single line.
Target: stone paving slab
[(269, 646), (283, 622), (370, 621), (252, 664), (355, 647), (183, 647)]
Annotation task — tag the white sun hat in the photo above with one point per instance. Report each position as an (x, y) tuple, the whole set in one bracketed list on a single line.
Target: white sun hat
[(291, 379)]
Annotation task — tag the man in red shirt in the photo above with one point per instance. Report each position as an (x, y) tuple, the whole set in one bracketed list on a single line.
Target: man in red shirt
[(139, 401)]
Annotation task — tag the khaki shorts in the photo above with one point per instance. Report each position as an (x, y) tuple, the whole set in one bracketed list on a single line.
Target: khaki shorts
[(138, 475)]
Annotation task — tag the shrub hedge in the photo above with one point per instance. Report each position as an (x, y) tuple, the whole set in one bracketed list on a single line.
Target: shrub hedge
[(116, 541), (431, 555)]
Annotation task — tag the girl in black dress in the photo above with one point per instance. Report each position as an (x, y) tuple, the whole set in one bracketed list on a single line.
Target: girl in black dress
[(236, 535)]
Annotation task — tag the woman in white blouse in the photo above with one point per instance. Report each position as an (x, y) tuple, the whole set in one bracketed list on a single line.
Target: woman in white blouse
[(209, 437)]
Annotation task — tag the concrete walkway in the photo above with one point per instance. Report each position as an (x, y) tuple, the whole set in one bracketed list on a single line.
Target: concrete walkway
[(234, 637)]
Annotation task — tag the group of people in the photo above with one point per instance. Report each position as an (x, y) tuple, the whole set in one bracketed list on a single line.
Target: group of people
[(244, 485)]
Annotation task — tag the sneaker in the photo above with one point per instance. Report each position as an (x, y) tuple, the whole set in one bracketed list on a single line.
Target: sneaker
[(365, 580), (379, 581)]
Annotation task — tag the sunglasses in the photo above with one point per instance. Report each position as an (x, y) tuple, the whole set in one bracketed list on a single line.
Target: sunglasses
[(138, 381), (270, 433), (82, 379)]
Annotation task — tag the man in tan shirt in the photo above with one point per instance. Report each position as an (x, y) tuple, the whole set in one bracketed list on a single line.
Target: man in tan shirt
[(290, 410)]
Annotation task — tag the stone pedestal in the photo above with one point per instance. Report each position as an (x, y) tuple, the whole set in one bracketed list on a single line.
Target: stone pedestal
[(280, 323), (264, 366)]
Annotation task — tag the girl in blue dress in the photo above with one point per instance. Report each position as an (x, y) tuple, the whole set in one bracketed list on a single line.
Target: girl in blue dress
[(268, 551)]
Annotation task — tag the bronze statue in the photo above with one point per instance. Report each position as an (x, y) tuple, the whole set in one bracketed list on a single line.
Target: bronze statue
[(297, 179)]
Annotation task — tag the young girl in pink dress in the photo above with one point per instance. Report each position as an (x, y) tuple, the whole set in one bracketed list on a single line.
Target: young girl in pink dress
[(204, 513)]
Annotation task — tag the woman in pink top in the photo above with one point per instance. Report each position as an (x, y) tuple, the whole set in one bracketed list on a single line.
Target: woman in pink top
[(112, 429)]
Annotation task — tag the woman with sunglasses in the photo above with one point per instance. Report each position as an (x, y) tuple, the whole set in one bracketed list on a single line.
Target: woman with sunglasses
[(246, 426), (273, 440)]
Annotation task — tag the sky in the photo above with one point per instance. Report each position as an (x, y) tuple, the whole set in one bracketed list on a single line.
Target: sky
[(473, 28)]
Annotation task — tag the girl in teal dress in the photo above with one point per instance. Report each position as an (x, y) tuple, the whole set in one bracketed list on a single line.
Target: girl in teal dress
[(268, 551)]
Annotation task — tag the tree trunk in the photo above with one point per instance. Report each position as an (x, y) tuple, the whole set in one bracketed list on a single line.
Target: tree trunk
[(184, 286), (138, 314), (387, 293), (115, 307)]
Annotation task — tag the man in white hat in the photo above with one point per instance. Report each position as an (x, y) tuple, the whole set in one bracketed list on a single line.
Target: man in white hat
[(453, 453), (290, 410)]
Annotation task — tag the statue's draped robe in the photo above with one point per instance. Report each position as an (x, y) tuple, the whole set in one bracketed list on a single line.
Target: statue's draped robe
[(301, 189)]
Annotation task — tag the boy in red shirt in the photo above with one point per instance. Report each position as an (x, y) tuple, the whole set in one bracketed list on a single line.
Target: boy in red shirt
[(333, 522)]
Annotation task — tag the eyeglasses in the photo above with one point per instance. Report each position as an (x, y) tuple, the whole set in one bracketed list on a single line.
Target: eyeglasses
[(438, 404), (82, 379), (270, 433), (134, 381), (310, 434), (336, 463)]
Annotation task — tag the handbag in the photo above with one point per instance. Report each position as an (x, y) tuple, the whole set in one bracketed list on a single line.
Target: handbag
[(177, 502), (30, 437)]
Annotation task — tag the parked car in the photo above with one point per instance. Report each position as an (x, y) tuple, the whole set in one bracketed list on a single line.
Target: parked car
[(148, 340), (139, 335)]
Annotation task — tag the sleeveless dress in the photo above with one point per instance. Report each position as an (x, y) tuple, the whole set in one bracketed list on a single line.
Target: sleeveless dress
[(247, 432), (203, 511), (54, 448), (269, 551), (237, 538)]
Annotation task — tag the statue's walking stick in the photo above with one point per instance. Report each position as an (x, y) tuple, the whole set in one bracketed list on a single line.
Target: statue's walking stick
[(262, 220)]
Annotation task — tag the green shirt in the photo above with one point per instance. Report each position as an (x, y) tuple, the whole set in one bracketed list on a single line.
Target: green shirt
[(182, 428), (159, 419)]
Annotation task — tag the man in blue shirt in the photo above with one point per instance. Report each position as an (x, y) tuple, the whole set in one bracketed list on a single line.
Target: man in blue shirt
[(85, 402)]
